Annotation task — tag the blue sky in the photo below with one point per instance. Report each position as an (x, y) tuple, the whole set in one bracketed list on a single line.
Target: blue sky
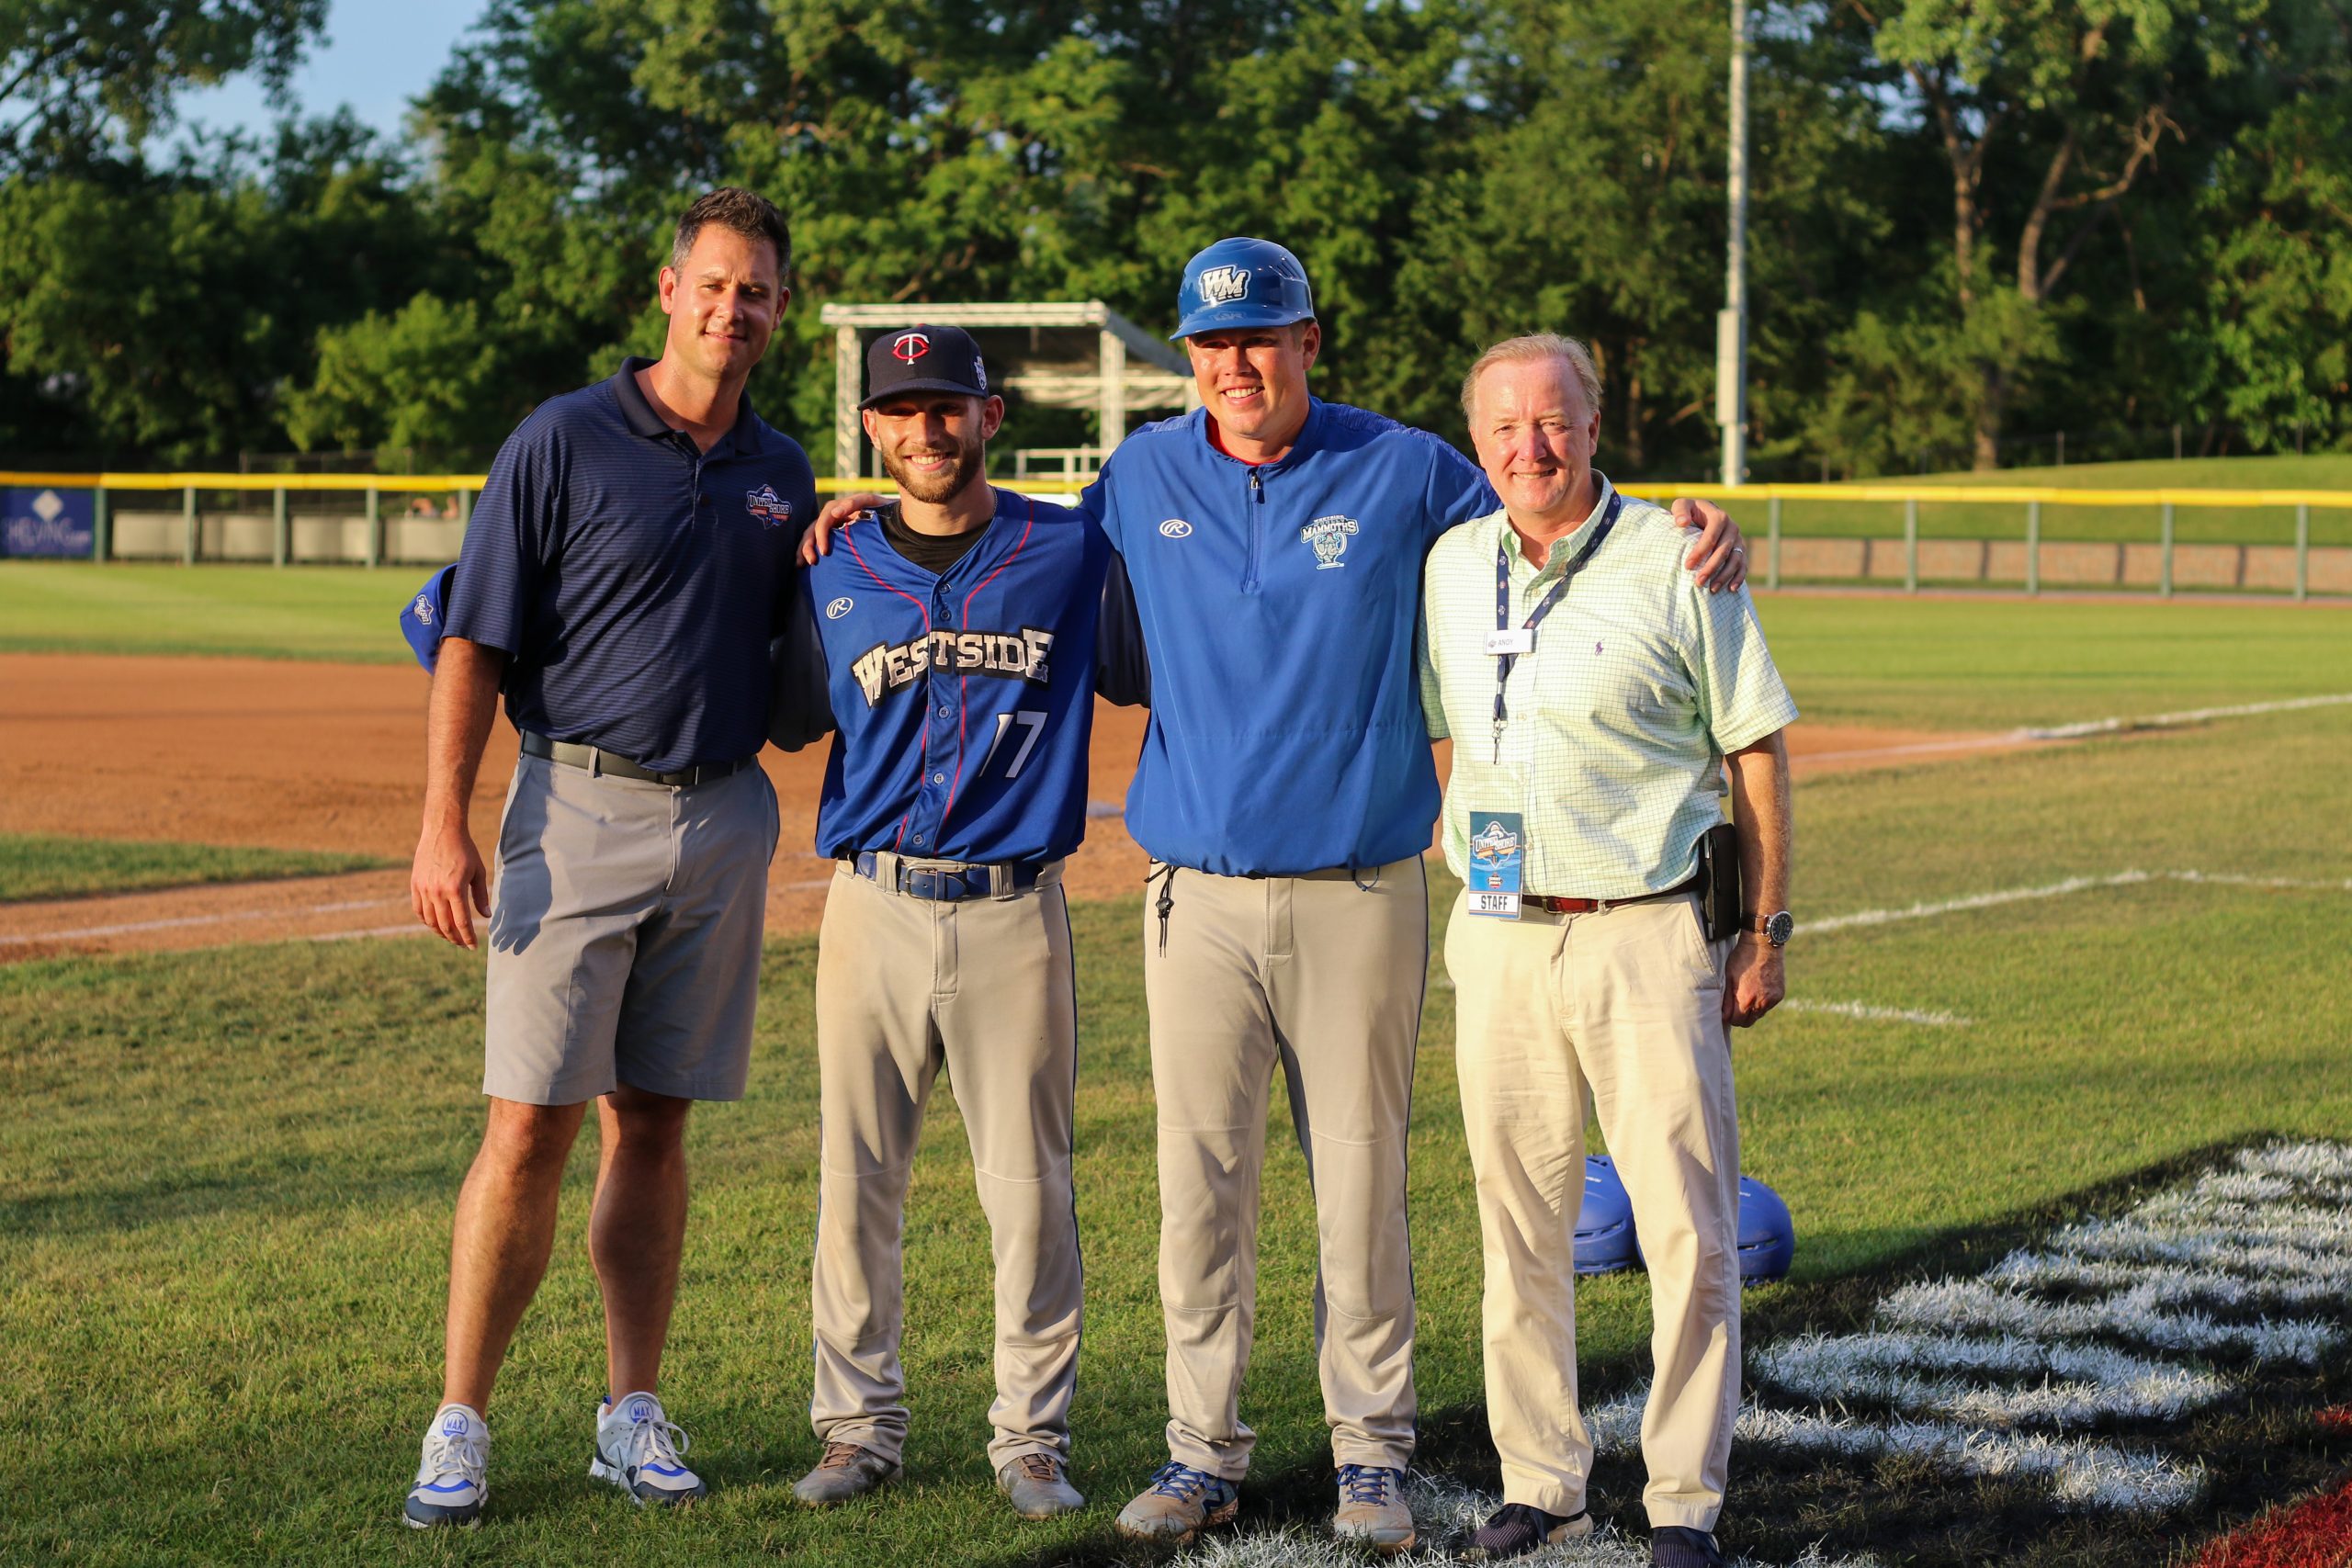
[(376, 56)]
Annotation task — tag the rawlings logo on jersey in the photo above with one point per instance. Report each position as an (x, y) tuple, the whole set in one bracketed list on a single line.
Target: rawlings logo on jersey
[(1329, 538), (839, 607), (1175, 528), (1222, 285), (771, 510), (886, 667)]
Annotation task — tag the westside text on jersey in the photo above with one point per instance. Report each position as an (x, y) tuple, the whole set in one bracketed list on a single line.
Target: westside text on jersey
[(886, 667)]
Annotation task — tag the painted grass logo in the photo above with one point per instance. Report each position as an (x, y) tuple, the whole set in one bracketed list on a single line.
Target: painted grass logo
[(2088, 1372)]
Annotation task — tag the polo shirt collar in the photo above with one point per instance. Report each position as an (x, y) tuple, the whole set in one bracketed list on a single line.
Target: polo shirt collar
[(743, 439), (1563, 549)]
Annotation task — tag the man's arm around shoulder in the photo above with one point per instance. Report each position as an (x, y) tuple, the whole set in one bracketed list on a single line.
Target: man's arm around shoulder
[(448, 882), (1761, 816)]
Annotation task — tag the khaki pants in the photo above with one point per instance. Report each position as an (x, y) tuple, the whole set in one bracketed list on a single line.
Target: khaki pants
[(983, 987), (1320, 976), (1623, 1007)]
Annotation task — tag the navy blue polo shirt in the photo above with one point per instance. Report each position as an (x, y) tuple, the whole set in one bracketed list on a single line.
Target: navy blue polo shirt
[(633, 580)]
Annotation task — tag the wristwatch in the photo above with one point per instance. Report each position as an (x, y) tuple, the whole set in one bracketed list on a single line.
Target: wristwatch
[(1774, 929)]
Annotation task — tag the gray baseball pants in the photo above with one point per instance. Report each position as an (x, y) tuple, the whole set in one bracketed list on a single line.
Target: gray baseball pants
[(1320, 977), (982, 988)]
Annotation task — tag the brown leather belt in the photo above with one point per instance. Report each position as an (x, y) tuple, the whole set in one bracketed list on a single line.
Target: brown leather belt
[(1551, 906)]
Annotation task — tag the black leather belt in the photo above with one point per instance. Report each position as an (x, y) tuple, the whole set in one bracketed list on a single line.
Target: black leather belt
[(596, 759), (1588, 906), (953, 883)]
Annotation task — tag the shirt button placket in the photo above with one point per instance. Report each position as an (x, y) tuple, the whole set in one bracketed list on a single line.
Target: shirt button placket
[(939, 740)]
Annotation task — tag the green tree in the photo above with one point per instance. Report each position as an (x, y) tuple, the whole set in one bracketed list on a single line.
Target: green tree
[(2048, 114), (424, 377), (2271, 351), (80, 79)]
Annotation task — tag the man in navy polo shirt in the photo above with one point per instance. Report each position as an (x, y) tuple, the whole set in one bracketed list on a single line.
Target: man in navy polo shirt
[(620, 580)]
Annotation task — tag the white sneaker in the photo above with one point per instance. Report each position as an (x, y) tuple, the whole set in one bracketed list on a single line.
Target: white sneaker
[(638, 1448), (452, 1480)]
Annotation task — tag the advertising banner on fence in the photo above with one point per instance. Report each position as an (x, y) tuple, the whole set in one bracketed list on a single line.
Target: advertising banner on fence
[(46, 522)]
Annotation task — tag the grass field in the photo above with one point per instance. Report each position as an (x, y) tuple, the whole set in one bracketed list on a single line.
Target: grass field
[(315, 612), (224, 1199), (35, 866), (2006, 520)]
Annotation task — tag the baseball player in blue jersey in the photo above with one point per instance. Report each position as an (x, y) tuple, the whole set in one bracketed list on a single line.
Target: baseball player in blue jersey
[(951, 648), (1287, 793)]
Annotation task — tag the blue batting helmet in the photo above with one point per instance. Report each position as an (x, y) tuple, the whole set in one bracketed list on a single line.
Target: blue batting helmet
[(1241, 282), (1768, 1236), (1604, 1220)]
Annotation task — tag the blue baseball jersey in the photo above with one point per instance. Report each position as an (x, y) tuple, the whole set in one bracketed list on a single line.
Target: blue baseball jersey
[(1277, 603), (962, 702)]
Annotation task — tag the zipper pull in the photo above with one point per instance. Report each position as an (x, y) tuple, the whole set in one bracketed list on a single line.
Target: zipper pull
[(1257, 490)]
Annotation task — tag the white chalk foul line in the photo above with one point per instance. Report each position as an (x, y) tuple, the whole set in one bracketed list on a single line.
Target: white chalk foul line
[(1878, 1014), (2026, 735), (2060, 889), (177, 921), (2174, 720)]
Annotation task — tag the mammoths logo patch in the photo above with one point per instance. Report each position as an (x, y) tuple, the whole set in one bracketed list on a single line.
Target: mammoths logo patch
[(1175, 528), (886, 667), (980, 373), (838, 608), (908, 347), (422, 610), (771, 509), (1329, 538), (1223, 285)]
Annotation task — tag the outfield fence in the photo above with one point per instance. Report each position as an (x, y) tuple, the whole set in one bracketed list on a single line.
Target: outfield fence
[(2031, 537)]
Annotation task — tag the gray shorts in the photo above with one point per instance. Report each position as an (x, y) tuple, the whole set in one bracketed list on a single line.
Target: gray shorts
[(624, 934)]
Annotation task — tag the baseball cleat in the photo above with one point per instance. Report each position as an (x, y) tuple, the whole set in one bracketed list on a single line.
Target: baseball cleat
[(637, 1450), (845, 1471), (1517, 1528), (1038, 1487), (1372, 1508), (452, 1480), (1179, 1503)]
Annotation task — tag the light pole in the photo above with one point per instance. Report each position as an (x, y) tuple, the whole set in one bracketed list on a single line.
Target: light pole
[(1731, 321)]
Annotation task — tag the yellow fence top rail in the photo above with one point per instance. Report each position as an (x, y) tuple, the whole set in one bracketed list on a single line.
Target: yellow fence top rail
[(2016, 495)]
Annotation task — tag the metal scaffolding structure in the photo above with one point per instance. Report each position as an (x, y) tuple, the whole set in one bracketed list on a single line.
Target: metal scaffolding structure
[(1057, 354)]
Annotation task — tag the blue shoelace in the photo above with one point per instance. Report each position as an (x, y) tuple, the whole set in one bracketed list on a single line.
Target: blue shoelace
[(1182, 1481), (1367, 1482)]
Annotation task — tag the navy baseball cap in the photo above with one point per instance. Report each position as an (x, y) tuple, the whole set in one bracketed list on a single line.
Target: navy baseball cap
[(1241, 282), (425, 614), (924, 359)]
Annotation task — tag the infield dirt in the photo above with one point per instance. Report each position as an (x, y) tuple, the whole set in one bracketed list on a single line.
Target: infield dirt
[(284, 755)]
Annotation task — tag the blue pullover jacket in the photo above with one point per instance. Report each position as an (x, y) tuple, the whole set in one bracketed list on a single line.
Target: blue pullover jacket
[(1277, 603)]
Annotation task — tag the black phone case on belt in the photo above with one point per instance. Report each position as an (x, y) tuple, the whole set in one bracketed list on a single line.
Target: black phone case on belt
[(1719, 894)]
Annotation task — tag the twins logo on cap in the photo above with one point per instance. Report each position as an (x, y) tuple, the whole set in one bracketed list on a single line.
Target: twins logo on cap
[(908, 347)]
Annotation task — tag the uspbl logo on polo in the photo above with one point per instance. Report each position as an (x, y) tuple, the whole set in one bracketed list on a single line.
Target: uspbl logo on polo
[(1175, 528), (910, 346), (839, 607), (771, 510)]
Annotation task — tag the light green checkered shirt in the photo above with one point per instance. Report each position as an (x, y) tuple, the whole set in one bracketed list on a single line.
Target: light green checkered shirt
[(1640, 681)]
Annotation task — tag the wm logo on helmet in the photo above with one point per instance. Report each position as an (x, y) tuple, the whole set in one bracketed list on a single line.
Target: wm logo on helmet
[(1223, 285)]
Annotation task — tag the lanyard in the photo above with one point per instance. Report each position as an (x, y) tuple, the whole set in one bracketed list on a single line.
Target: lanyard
[(1505, 661)]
